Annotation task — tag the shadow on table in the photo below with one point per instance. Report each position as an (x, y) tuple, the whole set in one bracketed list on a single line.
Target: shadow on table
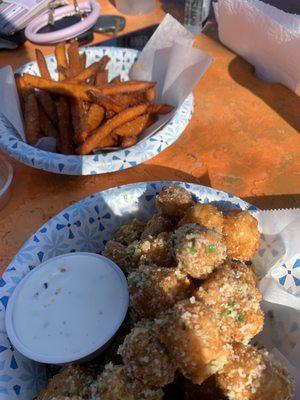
[(79, 187), (173, 7), (279, 98), (275, 201)]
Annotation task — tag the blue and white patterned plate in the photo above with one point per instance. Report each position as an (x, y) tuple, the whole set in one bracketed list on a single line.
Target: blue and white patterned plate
[(85, 226), (120, 64)]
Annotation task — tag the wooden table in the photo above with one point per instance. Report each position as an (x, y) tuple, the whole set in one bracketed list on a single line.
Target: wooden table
[(243, 138)]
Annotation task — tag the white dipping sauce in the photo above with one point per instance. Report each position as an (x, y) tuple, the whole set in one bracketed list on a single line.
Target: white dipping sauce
[(69, 305)]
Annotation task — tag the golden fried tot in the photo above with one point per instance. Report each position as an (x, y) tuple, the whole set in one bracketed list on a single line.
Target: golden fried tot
[(198, 250), (156, 224), (115, 251), (232, 295), (156, 250), (128, 233), (145, 358), (190, 333), (251, 375), (114, 384), (241, 235), (153, 290), (71, 382), (173, 201), (208, 390), (204, 214)]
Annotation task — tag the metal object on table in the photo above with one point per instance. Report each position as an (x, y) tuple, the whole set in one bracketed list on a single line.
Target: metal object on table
[(195, 14), (109, 24)]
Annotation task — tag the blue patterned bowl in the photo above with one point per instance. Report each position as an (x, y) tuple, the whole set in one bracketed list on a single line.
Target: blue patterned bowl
[(121, 62), (85, 226)]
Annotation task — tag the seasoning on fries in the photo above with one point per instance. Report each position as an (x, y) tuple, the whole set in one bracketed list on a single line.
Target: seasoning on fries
[(83, 110)]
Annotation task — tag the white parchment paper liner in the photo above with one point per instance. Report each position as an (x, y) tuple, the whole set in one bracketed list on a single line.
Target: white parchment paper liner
[(278, 263)]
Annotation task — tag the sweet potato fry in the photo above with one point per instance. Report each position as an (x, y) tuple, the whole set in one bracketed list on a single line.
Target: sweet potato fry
[(101, 78), (150, 94), (94, 117), (107, 102), (75, 63), (31, 118), (116, 79), (42, 64), (109, 141), (78, 115), (45, 100), (126, 87), (61, 59), (83, 60), (159, 108), (130, 99), (21, 88), (80, 90), (109, 114), (133, 128), (128, 141), (109, 126), (87, 72), (46, 125), (64, 145)]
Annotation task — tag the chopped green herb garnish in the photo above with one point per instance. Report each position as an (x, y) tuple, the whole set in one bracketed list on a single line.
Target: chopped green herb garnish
[(225, 313), (239, 318), (88, 380), (159, 394), (210, 248), (231, 303), (191, 250)]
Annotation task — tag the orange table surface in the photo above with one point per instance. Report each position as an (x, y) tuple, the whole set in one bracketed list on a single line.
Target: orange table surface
[(243, 138)]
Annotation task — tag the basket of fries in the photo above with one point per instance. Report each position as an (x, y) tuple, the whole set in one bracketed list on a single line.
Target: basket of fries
[(79, 119), (102, 109)]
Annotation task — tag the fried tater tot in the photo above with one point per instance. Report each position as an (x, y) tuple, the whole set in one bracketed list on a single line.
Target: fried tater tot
[(208, 390), (115, 251), (173, 201), (241, 235), (145, 358), (155, 250), (231, 293), (152, 250), (204, 214), (153, 290), (157, 224), (128, 233), (71, 381), (190, 332), (114, 384), (251, 375), (199, 250)]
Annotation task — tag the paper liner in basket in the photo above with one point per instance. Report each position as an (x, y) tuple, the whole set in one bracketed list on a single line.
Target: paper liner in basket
[(170, 60), (278, 264)]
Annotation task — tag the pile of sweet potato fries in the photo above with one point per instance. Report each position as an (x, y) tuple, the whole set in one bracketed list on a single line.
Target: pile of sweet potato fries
[(82, 110)]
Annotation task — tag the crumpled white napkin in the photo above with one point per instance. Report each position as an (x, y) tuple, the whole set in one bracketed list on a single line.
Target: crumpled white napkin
[(265, 36)]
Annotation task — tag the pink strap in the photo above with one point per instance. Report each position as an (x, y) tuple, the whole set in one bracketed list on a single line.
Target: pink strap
[(41, 21)]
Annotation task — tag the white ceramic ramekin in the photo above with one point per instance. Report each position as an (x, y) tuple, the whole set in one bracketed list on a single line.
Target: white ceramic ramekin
[(67, 309)]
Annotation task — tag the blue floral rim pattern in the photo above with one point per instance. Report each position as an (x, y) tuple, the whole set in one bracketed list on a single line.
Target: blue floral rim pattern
[(121, 61)]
